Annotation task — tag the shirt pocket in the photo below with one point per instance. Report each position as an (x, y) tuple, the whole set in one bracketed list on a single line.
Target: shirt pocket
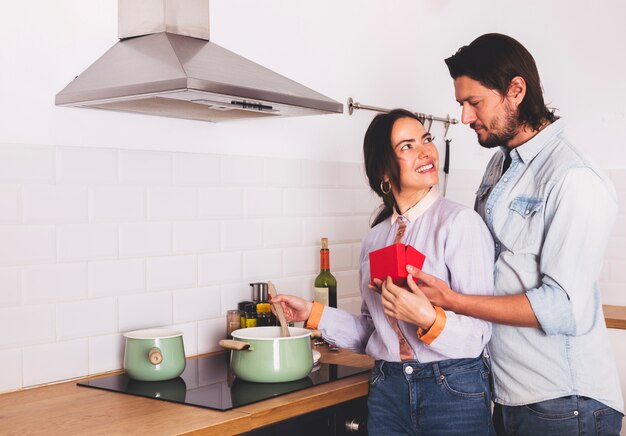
[(524, 225)]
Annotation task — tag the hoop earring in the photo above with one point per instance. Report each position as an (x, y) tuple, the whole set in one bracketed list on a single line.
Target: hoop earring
[(382, 186)]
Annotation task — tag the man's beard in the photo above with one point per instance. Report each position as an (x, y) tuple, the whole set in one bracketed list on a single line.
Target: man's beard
[(501, 130)]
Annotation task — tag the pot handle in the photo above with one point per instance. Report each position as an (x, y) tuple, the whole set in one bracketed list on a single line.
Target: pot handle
[(234, 345), (155, 356)]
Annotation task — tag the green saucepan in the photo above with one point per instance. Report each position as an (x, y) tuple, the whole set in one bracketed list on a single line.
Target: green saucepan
[(261, 354), (154, 354)]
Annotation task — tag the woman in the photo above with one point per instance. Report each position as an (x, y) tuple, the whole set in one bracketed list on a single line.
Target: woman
[(430, 376)]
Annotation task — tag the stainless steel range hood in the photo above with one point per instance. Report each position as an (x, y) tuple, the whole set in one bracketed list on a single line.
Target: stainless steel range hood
[(164, 64)]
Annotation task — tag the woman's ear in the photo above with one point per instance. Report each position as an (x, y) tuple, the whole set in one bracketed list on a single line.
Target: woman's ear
[(517, 90)]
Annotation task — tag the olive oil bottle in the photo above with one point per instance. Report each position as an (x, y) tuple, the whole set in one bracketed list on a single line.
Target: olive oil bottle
[(325, 282)]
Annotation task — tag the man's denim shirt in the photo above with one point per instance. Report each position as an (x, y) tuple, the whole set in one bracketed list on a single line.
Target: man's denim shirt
[(551, 215)]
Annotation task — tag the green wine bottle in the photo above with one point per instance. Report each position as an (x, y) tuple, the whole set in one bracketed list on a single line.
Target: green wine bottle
[(325, 282)]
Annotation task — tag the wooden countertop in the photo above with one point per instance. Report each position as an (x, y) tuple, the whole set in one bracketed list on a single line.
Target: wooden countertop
[(615, 316), (67, 409)]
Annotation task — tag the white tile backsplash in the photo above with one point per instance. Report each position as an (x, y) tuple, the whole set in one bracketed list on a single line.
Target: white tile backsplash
[(54, 203), (117, 277), (86, 165), (145, 310), (27, 164), (170, 272), (9, 204), (11, 374), (9, 286), (196, 304), (54, 282), (97, 242), (61, 361), (86, 318), (87, 241)]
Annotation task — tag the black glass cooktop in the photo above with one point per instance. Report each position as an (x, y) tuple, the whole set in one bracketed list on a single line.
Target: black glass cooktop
[(208, 382)]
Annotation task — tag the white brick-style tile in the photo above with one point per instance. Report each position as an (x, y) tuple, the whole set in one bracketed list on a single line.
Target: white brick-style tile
[(54, 282), (614, 294), (219, 268), (116, 277), (139, 167), (113, 203), (24, 244), (262, 264), (263, 202), (86, 165), (320, 174), (232, 294), (192, 169), (241, 171), (283, 172), (171, 272), (619, 229), (282, 232), (27, 164), (145, 310), (9, 204), (145, 239), (63, 360), (9, 287), (11, 374), (356, 256), (301, 260), (209, 334), (366, 202), (26, 325), (336, 202), (220, 202), (617, 271), (86, 318), (54, 203), (339, 229), (106, 353), (196, 236), (340, 257), (347, 284), (351, 174), (87, 241), (172, 203), (190, 337), (241, 234), (196, 304), (301, 202)]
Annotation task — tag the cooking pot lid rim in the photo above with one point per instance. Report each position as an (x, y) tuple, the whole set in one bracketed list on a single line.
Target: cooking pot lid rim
[(153, 334), (248, 333)]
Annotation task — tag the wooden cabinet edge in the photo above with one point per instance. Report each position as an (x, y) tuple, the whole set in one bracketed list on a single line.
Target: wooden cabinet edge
[(615, 316)]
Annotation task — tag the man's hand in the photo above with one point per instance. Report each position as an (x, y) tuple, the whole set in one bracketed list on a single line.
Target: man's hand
[(295, 308), (436, 290), (407, 305)]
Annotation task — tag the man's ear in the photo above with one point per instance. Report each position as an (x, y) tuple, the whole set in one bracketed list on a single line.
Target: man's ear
[(517, 90)]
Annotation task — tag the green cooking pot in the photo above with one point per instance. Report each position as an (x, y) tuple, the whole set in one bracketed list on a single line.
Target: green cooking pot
[(154, 354), (260, 354)]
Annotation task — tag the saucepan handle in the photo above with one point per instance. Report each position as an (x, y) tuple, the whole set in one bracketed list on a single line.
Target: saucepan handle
[(234, 345)]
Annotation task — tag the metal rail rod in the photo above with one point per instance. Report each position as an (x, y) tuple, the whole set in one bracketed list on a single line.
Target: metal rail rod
[(356, 105)]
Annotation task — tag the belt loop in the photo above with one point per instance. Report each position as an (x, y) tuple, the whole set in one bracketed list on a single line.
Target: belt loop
[(437, 373)]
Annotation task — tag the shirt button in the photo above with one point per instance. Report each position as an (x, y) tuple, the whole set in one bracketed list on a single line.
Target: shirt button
[(408, 370), (527, 212), (506, 180), (488, 210)]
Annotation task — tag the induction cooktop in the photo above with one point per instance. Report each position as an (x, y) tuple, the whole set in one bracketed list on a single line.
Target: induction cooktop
[(208, 382)]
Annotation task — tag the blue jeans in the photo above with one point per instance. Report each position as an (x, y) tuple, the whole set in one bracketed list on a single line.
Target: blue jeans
[(566, 416), (449, 397)]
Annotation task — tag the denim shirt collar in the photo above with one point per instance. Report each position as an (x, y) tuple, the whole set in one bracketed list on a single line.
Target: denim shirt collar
[(542, 140)]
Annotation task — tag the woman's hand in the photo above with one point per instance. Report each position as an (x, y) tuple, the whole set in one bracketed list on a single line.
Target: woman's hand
[(407, 305), (295, 308), (436, 290)]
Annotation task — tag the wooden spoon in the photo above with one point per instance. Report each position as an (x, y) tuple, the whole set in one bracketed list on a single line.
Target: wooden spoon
[(284, 327)]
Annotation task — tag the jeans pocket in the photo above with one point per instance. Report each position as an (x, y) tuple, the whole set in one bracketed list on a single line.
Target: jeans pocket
[(377, 374), (608, 422), (468, 384), (554, 410)]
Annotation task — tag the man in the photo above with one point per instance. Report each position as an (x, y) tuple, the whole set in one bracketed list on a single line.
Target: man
[(550, 212)]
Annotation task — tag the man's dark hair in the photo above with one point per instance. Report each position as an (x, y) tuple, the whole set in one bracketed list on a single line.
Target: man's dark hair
[(494, 60), (380, 158)]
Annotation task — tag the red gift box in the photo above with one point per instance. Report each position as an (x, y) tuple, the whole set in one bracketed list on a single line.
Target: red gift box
[(392, 261)]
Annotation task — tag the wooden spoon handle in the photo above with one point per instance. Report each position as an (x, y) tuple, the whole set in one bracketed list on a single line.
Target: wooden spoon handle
[(284, 327)]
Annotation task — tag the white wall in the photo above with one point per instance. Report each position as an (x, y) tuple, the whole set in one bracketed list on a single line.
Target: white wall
[(112, 221)]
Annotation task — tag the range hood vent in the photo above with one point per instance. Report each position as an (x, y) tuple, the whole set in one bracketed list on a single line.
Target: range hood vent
[(165, 65)]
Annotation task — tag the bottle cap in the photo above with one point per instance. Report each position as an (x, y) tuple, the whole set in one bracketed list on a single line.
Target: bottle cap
[(324, 243)]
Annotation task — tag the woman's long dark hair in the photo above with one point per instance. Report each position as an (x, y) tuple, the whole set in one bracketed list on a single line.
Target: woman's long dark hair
[(380, 158), (494, 60)]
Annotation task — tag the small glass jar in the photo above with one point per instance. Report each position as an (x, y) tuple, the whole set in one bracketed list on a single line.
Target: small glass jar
[(233, 321)]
